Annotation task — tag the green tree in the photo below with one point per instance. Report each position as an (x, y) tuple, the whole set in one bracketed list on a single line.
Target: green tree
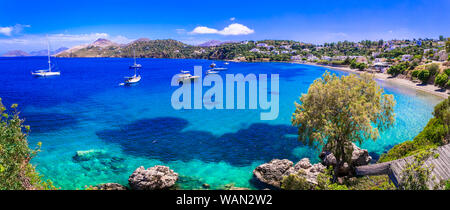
[(433, 69), (447, 45), (424, 75), (441, 80), (338, 111), (16, 172)]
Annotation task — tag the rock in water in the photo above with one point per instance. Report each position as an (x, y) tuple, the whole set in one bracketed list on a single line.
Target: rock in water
[(111, 186), (88, 154), (273, 172), (154, 178)]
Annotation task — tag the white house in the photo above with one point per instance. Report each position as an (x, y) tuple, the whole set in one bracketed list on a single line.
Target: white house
[(406, 57), (261, 45)]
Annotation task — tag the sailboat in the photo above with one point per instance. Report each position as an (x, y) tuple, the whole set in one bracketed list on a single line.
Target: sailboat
[(135, 78), (135, 65), (46, 72)]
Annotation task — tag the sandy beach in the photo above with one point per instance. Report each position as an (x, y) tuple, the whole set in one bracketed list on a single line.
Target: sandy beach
[(397, 81)]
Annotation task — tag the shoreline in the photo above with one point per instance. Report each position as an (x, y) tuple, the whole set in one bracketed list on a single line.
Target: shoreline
[(428, 88)]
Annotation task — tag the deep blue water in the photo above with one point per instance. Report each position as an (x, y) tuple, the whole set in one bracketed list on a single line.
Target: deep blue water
[(86, 109)]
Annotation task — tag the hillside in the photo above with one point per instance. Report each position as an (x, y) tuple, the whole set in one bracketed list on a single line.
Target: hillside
[(44, 52), (16, 53)]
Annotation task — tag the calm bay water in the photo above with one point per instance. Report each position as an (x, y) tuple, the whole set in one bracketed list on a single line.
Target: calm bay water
[(86, 109)]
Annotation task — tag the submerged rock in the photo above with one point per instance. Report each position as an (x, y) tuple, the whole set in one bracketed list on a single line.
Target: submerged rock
[(154, 178), (272, 173), (206, 186), (88, 155), (111, 186)]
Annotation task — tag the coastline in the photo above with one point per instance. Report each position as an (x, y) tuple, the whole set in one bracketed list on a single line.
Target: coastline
[(428, 88)]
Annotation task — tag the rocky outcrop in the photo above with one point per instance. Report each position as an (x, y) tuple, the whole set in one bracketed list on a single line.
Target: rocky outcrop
[(111, 186), (272, 173), (154, 178), (359, 157)]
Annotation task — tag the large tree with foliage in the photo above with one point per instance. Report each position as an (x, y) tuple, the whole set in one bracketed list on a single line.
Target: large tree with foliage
[(338, 111), (16, 172)]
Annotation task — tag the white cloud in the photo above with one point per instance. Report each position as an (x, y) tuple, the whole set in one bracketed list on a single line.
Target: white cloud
[(6, 30), (204, 30), (232, 29), (10, 30), (233, 19), (236, 29)]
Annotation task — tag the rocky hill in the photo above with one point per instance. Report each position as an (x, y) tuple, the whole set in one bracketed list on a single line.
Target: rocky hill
[(44, 52), (16, 53)]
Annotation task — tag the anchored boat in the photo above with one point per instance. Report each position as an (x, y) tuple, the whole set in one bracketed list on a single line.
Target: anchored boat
[(46, 72)]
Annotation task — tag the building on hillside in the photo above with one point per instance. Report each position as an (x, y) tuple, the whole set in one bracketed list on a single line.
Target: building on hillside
[(311, 57), (442, 55), (339, 58), (261, 45), (406, 57), (255, 50), (286, 47), (381, 66), (296, 57), (328, 58)]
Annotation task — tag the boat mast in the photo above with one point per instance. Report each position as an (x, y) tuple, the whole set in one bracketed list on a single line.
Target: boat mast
[(48, 53), (134, 56)]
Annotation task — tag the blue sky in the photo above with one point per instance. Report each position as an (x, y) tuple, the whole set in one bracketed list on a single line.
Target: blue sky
[(24, 24)]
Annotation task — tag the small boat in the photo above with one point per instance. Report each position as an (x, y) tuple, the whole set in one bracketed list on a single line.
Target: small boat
[(226, 63), (220, 69), (186, 75), (212, 65), (135, 65), (132, 80), (46, 72), (211, 71)]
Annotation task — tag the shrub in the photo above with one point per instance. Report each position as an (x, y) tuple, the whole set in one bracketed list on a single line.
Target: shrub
[(16, 172), (424, 75), (447, 71), (433, 69), (296, 182), (415, 73), (398, 69), (416, 174), (441, 80)]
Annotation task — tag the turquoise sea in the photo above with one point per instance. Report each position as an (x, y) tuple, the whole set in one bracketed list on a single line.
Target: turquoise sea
[(86, 109)]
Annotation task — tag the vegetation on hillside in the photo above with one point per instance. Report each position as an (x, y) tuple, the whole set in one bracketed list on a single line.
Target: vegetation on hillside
[(16, 172), (436, 133)]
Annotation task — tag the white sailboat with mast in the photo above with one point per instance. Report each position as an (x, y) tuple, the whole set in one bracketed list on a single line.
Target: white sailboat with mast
[(135, 65), (46, 72), (135, 78)]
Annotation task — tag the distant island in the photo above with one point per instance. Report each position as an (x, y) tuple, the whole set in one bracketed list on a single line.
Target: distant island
[(20, 53)]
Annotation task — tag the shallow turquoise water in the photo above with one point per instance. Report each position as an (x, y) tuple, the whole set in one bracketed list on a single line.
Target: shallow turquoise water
[(85, 109)]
